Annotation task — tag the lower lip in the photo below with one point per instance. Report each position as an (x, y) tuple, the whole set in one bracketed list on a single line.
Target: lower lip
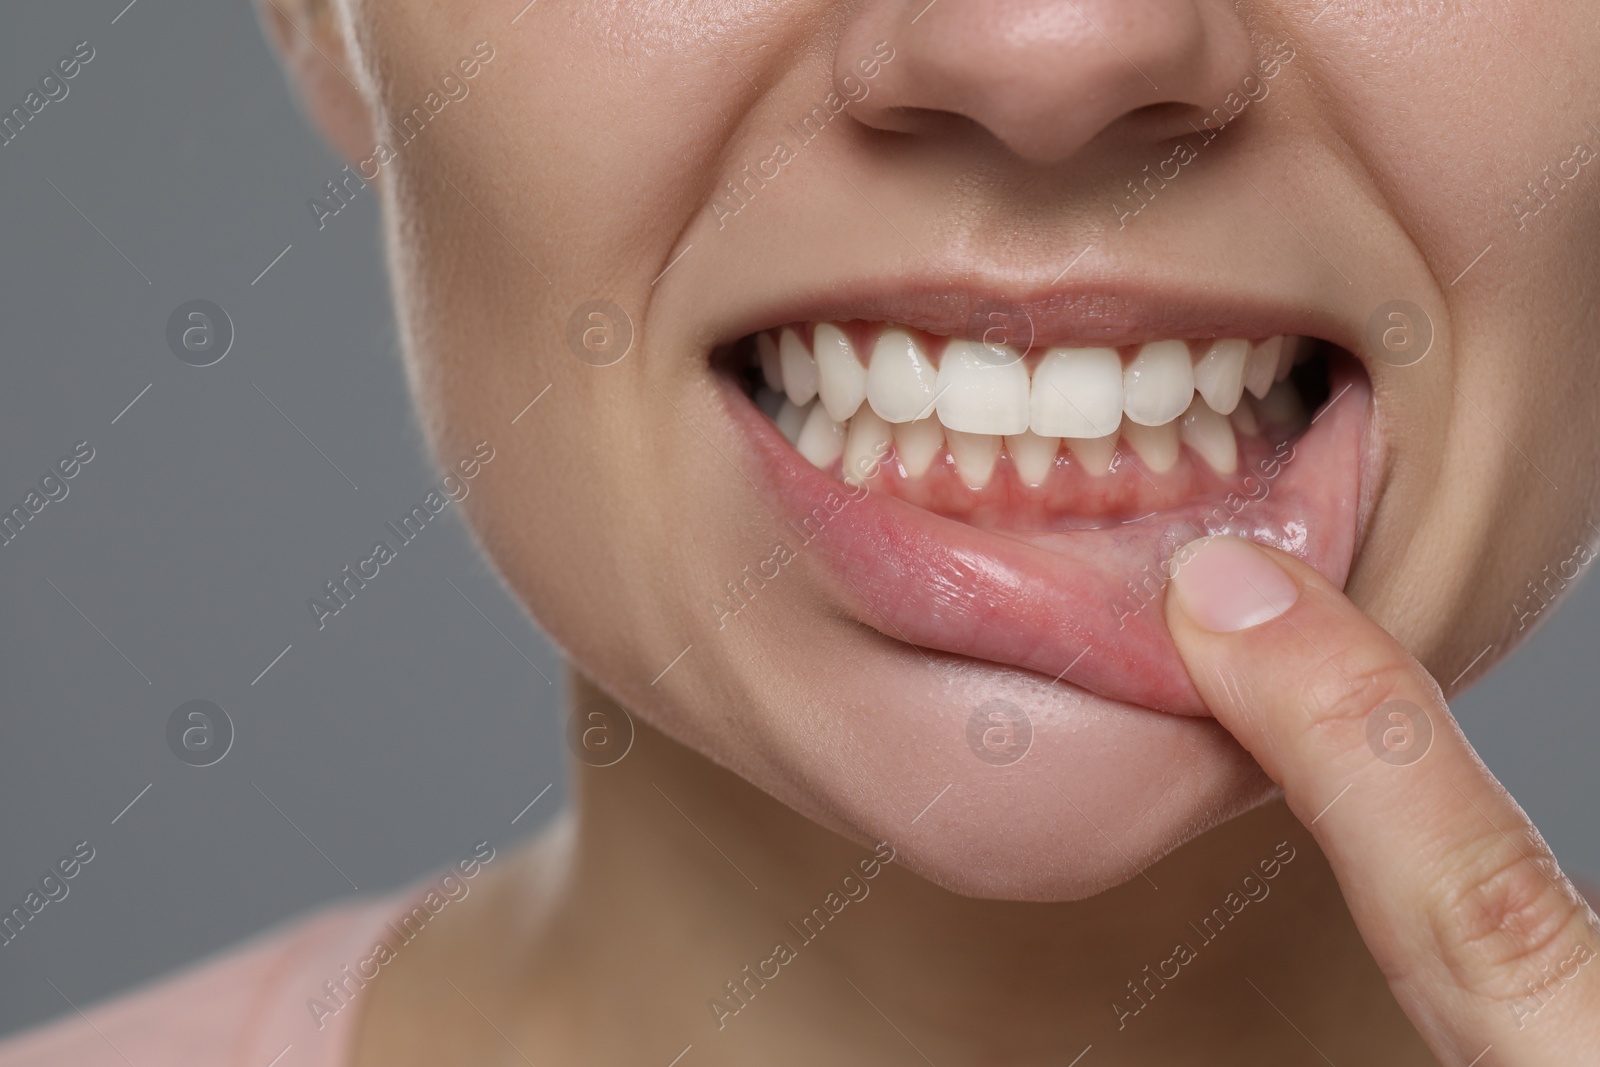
[(1087, 609)]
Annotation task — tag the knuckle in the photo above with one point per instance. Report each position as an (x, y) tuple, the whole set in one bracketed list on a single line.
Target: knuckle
[(1512, 920), (1338, 702)]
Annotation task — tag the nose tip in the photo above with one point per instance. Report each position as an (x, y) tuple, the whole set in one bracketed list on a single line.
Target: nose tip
[(1044, 77)]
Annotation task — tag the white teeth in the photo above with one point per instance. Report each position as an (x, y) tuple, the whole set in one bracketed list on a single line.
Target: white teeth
[(821, 439), (982, 398), (1034, 456), (1210, 435), (975, 455), (1243, 418), (771, 368), (841, 379), (1077, 392), (1261, 367), (1157, 446), (799, 370), (1158, 384), (865, 446), (1096, 454), (769, 402), (982, 389), (1219, 376), (1282, 406), (916, 443), (900, 380), (790, 418)]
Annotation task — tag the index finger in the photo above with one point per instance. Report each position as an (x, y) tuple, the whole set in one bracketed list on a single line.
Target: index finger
[(1484, 941)]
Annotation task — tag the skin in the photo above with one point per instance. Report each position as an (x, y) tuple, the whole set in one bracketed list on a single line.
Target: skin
[(579, 168)]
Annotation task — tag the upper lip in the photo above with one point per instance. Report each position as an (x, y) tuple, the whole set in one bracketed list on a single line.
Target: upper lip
[(1088, 313)]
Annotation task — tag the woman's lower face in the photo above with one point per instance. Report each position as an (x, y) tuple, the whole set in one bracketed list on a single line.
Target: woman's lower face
[(861, 371)]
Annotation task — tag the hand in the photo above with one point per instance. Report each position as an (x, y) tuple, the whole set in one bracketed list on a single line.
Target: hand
[(1489, 949)]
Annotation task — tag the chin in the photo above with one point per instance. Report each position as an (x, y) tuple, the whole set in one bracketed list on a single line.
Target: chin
[(995, 783)]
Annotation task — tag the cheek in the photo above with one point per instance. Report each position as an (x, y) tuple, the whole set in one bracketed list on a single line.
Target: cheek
[(1479, 434)]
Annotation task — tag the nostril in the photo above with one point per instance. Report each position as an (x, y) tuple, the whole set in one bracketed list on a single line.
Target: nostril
[(1046, 78), (925, 122)]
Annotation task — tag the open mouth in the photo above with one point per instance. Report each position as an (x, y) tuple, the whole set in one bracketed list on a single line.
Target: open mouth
[(1023, 504)]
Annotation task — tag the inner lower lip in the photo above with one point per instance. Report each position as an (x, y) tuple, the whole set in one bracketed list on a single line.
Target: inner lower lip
[(1076, 596)]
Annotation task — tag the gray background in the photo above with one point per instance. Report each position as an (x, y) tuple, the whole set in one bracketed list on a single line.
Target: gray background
[(412, 725)]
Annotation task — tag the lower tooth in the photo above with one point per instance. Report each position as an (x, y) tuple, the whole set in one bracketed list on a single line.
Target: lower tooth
[(975, 455), (1157, 446), (1243, 418), (1033, 456), (1096, 454), (1210, 435), (917, 443), (790, 418), (821, 439), (865, 444)]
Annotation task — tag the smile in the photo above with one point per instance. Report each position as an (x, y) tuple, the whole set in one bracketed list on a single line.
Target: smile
[(1022, 503)]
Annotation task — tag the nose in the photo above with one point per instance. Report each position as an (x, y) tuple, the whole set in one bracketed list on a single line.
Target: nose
[(1044, 77)]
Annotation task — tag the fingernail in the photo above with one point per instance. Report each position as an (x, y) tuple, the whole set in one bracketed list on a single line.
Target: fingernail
[(1225, 584)]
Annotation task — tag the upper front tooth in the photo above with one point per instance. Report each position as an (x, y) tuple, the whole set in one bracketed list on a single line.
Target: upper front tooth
[(799, 369), (1219, 376), (1077, 392), (900, 381), (1262, 366), (982, 389), (841, 379), (771, 368), (1158, 384), (821, 439)]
